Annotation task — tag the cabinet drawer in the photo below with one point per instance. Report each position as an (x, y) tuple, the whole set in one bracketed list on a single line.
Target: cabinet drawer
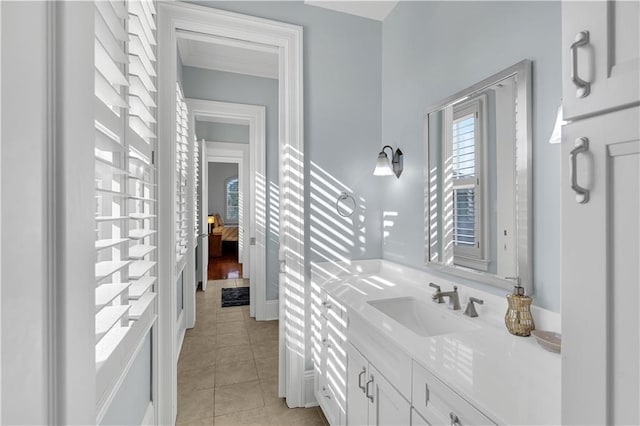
[(437, 403), (328, 401), (332, 309)]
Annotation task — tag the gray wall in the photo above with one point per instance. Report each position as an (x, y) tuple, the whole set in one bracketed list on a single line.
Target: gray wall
[(218, 175), (434, 49), (130, 403), (222, 132), (342, 125)]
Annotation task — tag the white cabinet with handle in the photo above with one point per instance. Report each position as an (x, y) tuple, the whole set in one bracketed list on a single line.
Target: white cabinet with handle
[(601, 56), (371, 399), (601, 276)]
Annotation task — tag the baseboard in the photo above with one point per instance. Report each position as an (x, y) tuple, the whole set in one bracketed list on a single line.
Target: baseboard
[(149, 416), (309, 389), (271, 310)]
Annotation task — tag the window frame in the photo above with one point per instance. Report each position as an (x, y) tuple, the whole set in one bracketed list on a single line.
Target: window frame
[(229, 219)]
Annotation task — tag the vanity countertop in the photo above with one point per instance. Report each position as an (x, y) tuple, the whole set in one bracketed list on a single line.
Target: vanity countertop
[(511, 379)]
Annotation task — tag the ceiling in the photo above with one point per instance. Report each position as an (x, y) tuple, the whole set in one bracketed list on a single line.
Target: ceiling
[(259, 62), (377, 10)]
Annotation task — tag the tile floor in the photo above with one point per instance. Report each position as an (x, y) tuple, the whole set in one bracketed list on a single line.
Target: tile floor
[(228, 368)]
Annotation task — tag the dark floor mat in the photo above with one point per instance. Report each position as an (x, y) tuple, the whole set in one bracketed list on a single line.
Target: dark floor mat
[(235, 296)]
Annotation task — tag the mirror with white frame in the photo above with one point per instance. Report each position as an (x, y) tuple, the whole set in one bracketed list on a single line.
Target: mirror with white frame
[(478, 181)]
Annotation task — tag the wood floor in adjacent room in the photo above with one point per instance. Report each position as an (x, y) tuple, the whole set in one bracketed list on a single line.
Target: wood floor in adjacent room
[(228, 368), (225, 266)]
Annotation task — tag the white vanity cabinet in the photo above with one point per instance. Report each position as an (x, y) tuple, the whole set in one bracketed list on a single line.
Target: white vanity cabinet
[(437, 404), (601, 56), (371, 399)]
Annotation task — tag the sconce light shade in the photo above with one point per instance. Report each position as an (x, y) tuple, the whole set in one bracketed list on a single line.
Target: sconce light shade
[(383, 168)]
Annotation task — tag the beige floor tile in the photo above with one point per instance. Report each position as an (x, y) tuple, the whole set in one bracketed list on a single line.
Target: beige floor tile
[(264, 336), (238, 397), (194, 360), (230, 327), (264, 349), (254, 417), (281, 415), (236, 371), (198, 344), (325, 422), (234, 353), (267, 367), (195, 405), (196, 378), (269, 388), (235, 338), (226, 316), (200, 422), (242, 282)]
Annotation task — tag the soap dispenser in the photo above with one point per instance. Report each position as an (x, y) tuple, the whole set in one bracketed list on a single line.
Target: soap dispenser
[(518, 319)]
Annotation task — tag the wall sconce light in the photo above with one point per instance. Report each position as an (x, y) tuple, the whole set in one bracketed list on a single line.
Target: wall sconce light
[(383, 168)]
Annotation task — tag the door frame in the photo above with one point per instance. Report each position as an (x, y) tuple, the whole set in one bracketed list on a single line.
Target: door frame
[(253, 116), (287, 39), (224, 152)]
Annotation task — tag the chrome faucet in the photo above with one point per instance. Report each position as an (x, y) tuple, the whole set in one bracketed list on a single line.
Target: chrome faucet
[(454, 299), (437, 296)]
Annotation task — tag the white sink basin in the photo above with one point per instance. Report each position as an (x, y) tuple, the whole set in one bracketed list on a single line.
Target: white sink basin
[(421, 318)]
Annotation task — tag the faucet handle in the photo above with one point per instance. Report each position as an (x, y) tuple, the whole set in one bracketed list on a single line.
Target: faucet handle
[(437, 297), (470, 310)]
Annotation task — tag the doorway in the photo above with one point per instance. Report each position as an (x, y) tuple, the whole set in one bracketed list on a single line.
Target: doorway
[(233, 29)]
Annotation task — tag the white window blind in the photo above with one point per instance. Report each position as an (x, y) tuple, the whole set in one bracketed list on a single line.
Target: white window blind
[(232, 198), (124, 175), (196, 187), (467, 180), (182, 149)]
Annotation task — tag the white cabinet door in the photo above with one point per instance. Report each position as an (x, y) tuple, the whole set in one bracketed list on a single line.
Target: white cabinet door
[(608, 59), (388, 407), (601, 272), (357, 376)]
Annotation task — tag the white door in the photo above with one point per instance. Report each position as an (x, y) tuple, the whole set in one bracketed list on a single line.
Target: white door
[(388, 407), (357, 377), (601, 271), (204, 213), (604, 39)]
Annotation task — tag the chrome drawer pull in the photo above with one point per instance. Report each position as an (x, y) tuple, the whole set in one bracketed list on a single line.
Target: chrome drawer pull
[(455, 421), (326, 304), (582, 194), (426, 394), (360, 385), (367, 390), (584, 87)]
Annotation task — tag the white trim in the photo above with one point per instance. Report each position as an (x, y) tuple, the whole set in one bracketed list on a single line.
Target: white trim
[(288, 39), (271, 310), (309, 389), (182, 331), (149, 418)]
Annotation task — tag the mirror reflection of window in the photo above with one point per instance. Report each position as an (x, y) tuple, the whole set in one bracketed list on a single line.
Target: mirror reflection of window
[(467, 143), (232, 198)]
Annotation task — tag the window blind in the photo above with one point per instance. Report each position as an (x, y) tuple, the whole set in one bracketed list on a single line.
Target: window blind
[(196, 187), (124, 171), (181, 177)]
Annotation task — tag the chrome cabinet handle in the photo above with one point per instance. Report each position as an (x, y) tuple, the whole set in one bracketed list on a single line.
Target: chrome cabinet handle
[(325, 393), (360, 385), (326, 304), (426, 394), (582, 194), (584, 87), (455, 421), (366, 392), (325, 342)]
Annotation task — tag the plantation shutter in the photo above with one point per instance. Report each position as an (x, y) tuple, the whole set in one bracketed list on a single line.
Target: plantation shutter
[(124, 181), (464, 180), (196, 187), (182, 149)]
